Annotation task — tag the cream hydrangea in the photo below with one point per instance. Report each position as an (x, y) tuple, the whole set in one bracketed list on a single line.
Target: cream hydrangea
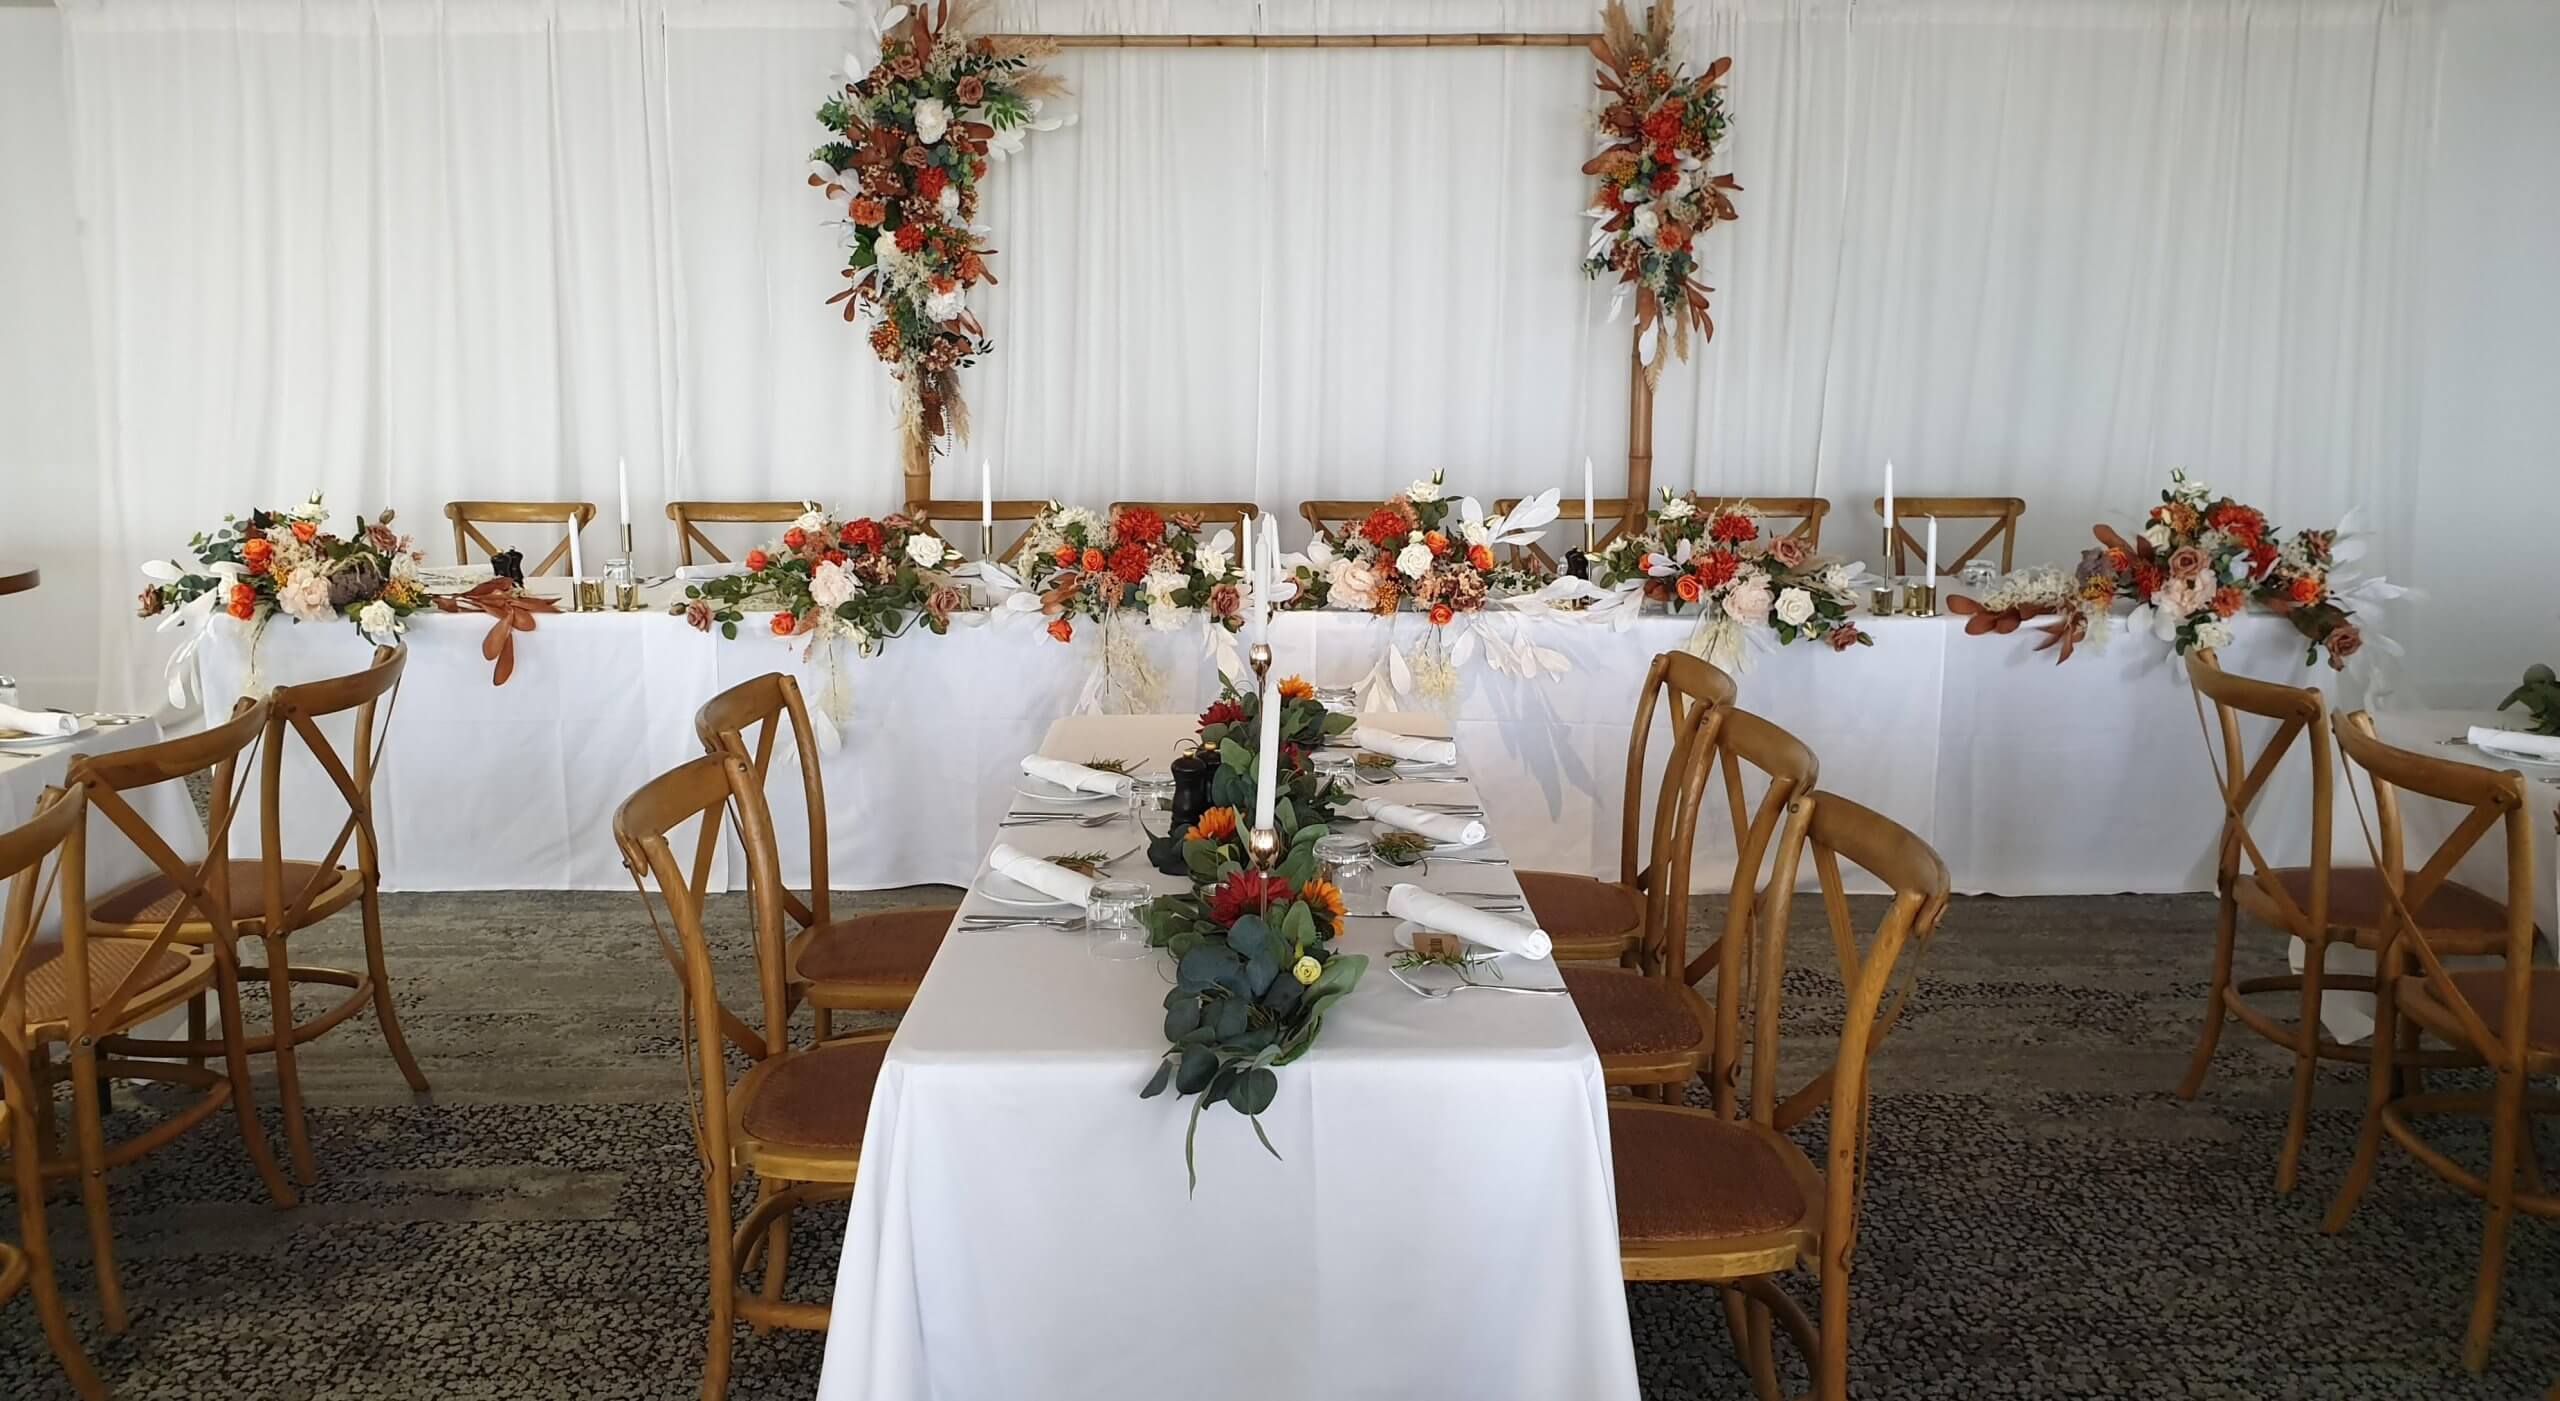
[(305, 595), (1748, 600)]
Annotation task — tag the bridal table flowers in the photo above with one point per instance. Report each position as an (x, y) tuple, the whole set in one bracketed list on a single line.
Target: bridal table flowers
[(1656, 196), (1441, 554), (288, 561), (1728, 565), (865, 580), (1140, 560), (2201, 558)]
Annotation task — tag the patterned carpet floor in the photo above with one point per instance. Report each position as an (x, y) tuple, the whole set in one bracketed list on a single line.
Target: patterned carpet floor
[(2043, 1218)]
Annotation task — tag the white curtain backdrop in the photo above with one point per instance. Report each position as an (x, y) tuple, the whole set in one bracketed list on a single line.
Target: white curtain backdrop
[(407, 251)]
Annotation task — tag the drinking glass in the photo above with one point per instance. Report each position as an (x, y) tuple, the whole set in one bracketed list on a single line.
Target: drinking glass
[(1342, 700), (1151, 803), (1113, 916), (1344, 859), (1978, 573)]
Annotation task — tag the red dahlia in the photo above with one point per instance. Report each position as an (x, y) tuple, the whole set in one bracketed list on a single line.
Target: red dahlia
[(1139, 524), (931, 180), (1129, 562), (910, 237), (1247, 892), (1663, 127), (1386, 526), (1716, 568), (862, 534), (1225, 712), (1733, 528)]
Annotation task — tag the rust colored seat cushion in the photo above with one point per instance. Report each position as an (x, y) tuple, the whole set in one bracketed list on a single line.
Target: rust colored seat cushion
[(2356, 900), (817, 1098), (893, 946), (153, 899), (49, 982), (2486, 990), (1579, 912), (1688, 1176), (1633, 1014)]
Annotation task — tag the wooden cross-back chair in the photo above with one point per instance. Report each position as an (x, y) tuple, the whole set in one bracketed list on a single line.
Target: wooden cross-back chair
[(691, 516), (2002, 511), (2317, 902), (957, 523), (108, 978), (1233, 515), (469, 516), (871, 962), (1806, 511), (24, 1100), (2506, 1017), (288, 895), (1611, 516), (1589, 918), (1722, 1195), (1332, 517), (794, 1119)]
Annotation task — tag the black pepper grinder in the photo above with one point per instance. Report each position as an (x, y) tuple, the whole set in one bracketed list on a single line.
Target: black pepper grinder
[(1191, 774)]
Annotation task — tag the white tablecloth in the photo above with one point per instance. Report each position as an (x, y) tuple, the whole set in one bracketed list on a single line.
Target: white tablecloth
[(1440, 1225), (113, 858), (2029, 778)]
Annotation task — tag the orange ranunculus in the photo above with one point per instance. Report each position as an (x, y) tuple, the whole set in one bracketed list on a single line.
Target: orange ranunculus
[(1215, 825), (1481, 556), (304, 530), (1094, 560), (1067, 556), (2306, 589), (1441, 613), (757, 560), (1438, 542), (1297, 688), (257, 555), (1324, 895), (2227, 601), (783, 623), (1689, 588), (244, 601), (1061, 629)]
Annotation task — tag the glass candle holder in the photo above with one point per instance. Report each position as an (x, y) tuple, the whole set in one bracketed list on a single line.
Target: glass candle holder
[(1115, 920)]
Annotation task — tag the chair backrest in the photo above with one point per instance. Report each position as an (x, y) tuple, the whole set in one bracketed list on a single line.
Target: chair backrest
[(1234, 515), (1787, 770), (691, 516), (1806, 511), (1676, 684), (1332, 517), (745, 721), (469, 516), (2495, 799), (957, 523), (373, 694), (2239, 779), (58, 830), (2001, 511), (1611, 516), (700, 791)]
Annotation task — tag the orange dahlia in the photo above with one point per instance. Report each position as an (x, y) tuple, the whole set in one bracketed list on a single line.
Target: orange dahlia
[(1297, 688), (1324, 895), (1215, 825)]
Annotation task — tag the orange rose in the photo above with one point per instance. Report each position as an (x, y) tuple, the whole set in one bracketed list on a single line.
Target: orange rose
[(1481, 556), (1061, 629), (1438, 542), (1689, 588), (783, 623), (257, 555), (1094, 560), (2306, 590), (1067, 555), (1440, 615), (757, 560), (244, 601), (1297, 688), (304, 530), (1217, 824)]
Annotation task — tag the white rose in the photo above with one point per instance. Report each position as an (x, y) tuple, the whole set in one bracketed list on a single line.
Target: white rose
[(1477, 533), (933, 118), (829, 585), (814, 522), (2215, 634), (1414, 560), (2158, 534), (1163, 584), (925, 550), (1834, 580), (1747, 600), (943, 306), (1423, 491), (1795, 607), (1210, 560), (1646, 223), (1677, 508), (948, 202), (379, 622)]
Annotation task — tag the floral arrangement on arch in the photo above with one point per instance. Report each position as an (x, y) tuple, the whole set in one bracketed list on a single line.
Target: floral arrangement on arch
[(1656, 196), (1728, 564), (911, 140), (863, 580), (1140, 559), (1422, 547), (288, 562), (1255, 967)]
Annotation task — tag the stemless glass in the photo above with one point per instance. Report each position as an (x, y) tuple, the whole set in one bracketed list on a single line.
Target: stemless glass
[(1344, 859), (1113, 917), (1342, 700), (1151, 803)]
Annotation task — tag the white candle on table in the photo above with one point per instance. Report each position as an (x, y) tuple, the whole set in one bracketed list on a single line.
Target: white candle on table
[(1888, 496), (1266, 770), (577, 561), (1252, 581), (986, 494), (1586, 496), (1933, 552), (622, 479)]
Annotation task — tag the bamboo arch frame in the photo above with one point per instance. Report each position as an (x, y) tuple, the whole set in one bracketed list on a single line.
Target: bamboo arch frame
[(919, 454)]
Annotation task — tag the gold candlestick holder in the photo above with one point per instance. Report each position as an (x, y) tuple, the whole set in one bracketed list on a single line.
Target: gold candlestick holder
[(1886, 600), (1920, 601), (1590, 536), (588, 596), (626, 598), (1262, 845), (986, 540), (1259, 658)]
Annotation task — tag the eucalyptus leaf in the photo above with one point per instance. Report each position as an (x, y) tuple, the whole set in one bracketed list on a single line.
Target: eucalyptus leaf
[(1199, 1066), (1254, 1090), (1156, 1083)]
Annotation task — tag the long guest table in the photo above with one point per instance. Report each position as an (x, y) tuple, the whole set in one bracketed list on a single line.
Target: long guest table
[(2029, 778)]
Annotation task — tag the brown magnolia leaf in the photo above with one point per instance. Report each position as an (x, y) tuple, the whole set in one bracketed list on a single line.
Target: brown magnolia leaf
[(1718, 69), (1600, 51)]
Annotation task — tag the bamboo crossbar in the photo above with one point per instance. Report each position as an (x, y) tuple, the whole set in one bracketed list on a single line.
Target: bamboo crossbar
[(1308, 41)]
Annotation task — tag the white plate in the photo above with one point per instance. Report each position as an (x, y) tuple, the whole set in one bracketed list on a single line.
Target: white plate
[(2530, 761), (1048, 792), (11, 739), (1005, 890)]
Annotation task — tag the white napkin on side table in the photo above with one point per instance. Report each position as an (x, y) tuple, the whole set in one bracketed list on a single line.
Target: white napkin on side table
[(699, 573), (1413, 748), (1467, 922), (2516, 742), (38, 722), (1438, 826), (1047, 877), (1075, 776)]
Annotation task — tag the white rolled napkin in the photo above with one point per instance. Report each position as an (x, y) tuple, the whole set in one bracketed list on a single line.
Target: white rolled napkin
[(2516, 742), (697, 573), (1047, 877), (1467, 922), (1411, 747), (1075, 776), (38, 722), (1438, 826)]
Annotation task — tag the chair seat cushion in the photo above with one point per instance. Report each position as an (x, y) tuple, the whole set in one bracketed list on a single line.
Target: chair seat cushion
[(893, 946), (2356, 900), (49, 981), (1684, 1175), (153, 898), (1579, 910), (1632, 1013), (2486, 990), (817, 1098)]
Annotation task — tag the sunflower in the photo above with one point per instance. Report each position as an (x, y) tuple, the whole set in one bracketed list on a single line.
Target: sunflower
[(1297, 688), (1324, 895), (1215, 825)]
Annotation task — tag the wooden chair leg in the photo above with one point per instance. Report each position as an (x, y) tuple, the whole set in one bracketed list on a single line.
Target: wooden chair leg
[(383, 1011), (777, 1249), (724, 1290), (1760, 1352), (89, 1136), (826, 1022), (235, 1054), (2378, 1082), (2306, 1066), (1831, 1364), (297, 1132), (195, 1026), (40, 1079), (2226, 932), (26, 1154), (2508, 1106)]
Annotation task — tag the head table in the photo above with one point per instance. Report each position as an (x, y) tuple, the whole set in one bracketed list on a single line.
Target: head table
[(1441, 1220), (2029, 778)]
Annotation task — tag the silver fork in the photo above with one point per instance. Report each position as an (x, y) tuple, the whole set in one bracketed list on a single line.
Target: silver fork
[(1034, 819), (1465, 985), (1021, 922), (1380, 782)]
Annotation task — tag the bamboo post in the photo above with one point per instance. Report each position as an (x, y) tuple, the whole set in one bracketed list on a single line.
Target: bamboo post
[(1639, 431), (919, 471)]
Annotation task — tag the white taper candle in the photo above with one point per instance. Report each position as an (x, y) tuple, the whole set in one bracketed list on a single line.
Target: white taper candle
[(622, 479), (1932, 555), (577, 561), (1266, 770)]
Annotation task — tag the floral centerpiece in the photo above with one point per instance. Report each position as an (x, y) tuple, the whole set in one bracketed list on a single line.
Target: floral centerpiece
[(1255, 967), (1656, 197), (288, 562), (1082, 566), (910, 141), (1424, 547), (865, 580), (2201, 558), (1729, 566)]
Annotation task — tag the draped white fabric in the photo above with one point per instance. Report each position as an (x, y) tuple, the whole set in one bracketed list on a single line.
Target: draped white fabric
[(412, 250)]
